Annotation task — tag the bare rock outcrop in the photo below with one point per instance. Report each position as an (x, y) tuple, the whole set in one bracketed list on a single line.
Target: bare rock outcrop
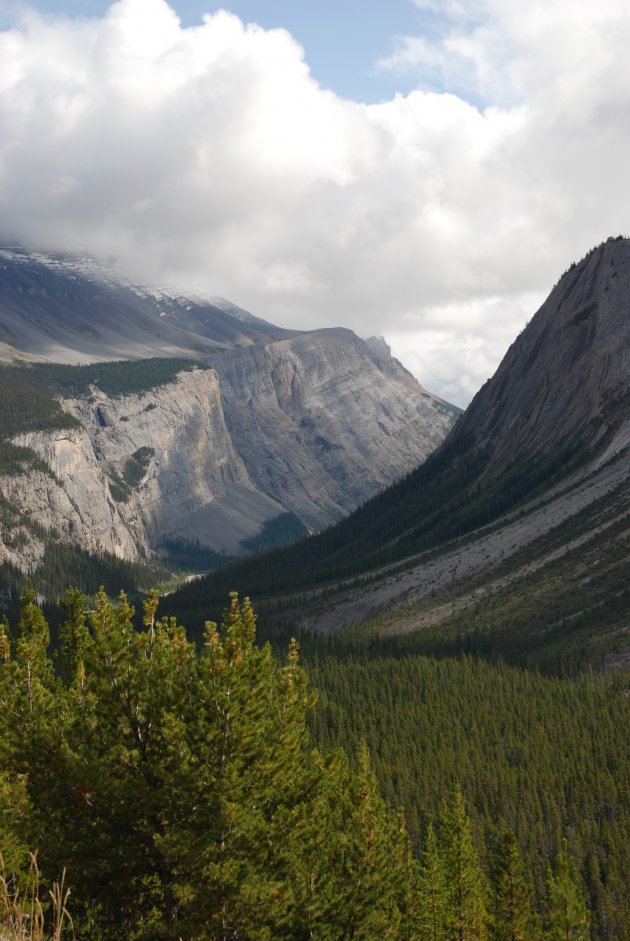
[(311, 425), (565, 379), (325, 423)]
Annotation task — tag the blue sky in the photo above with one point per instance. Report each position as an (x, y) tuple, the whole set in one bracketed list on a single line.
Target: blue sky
[(419, 169), (343, 41)]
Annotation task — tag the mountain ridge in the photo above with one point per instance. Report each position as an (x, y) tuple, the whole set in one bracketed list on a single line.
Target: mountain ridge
[(59, 309), (531, 476), (582, 327), (261, 426)]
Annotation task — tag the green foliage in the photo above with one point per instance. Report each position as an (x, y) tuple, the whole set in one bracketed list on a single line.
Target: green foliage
[(560, 617), (282, 530), (192, 555), (25, 406), (433, 890), (567, 916), (465, 909), (541, 756), (136, 466), (65, 564), (15, 459), (115, 378), (180, 790), (29, 393), (439, 501), (118, 488), (512, 895)]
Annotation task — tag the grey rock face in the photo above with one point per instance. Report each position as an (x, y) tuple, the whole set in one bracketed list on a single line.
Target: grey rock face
[(324, 423), (313, 424), (566, 378)]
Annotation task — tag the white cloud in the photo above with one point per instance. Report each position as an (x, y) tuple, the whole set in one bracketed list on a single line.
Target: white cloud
[(209, 157)]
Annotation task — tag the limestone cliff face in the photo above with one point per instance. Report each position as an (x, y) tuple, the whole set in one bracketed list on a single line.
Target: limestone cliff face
[(313, 425), (565, 379), (326, 423), (74, 498), (108, 499)]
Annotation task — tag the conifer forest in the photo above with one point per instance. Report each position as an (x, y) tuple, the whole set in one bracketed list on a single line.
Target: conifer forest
[(223, 790)]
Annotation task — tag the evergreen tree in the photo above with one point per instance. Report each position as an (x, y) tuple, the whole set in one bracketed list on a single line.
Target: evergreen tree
[(466, 916), (13, 802), (73, 634), (33, 639), (374, 891), (407, 874), (178, 789), (512, 895), (567, 914), (241, 788), (432, 890)]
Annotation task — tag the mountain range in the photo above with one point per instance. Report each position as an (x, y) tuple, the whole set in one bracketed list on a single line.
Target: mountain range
[(514, 536), (217, 434), (415, 614)]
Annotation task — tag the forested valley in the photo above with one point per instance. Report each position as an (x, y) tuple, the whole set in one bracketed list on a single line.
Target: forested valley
[(226, 789)]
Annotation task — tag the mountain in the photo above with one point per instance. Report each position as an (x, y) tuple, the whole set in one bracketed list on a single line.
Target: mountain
[(56, 308), (510, 542), (219, 434), (513, 538), (564, 381)]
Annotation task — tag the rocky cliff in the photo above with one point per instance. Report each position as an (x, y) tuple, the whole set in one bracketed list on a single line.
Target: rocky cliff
[(565, 380), (325, 422), (311, 425), (521, 517)]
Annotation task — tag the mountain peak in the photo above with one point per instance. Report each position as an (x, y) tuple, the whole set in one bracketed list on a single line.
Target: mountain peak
[(562, 379)]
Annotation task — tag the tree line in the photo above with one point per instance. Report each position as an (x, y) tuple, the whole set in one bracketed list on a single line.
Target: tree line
[(181, 791)]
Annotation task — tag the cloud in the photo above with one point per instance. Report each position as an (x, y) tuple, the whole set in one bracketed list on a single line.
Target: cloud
[(209, 157)]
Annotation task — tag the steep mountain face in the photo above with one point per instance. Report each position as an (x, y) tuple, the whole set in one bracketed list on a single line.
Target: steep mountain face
[(325, 421), (139, 469), (535, 477), (565, 381), (269, 424)]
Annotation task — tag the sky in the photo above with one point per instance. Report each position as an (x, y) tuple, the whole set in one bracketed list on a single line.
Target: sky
[(423, 170)]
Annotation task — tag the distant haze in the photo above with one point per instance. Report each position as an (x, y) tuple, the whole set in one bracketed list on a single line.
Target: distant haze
[(209, 157)]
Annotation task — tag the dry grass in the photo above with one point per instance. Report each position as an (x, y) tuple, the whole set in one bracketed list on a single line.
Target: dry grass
[(22, 914)]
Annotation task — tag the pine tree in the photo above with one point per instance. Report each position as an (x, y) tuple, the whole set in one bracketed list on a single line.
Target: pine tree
[(568, 917), (33, 639), (373, 892), (73, 634), (244, 778), (407, 884), (432, 890), (512, 894), (466, 916)]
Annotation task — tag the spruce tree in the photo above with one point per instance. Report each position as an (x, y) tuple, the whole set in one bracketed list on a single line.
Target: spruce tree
[(567, 915), (407, 883), (466, 916), (512, 894), (73, 634), (432, 893)]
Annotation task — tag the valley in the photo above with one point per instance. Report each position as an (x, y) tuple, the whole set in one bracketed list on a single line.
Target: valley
[(452, 638), (440, 554)]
